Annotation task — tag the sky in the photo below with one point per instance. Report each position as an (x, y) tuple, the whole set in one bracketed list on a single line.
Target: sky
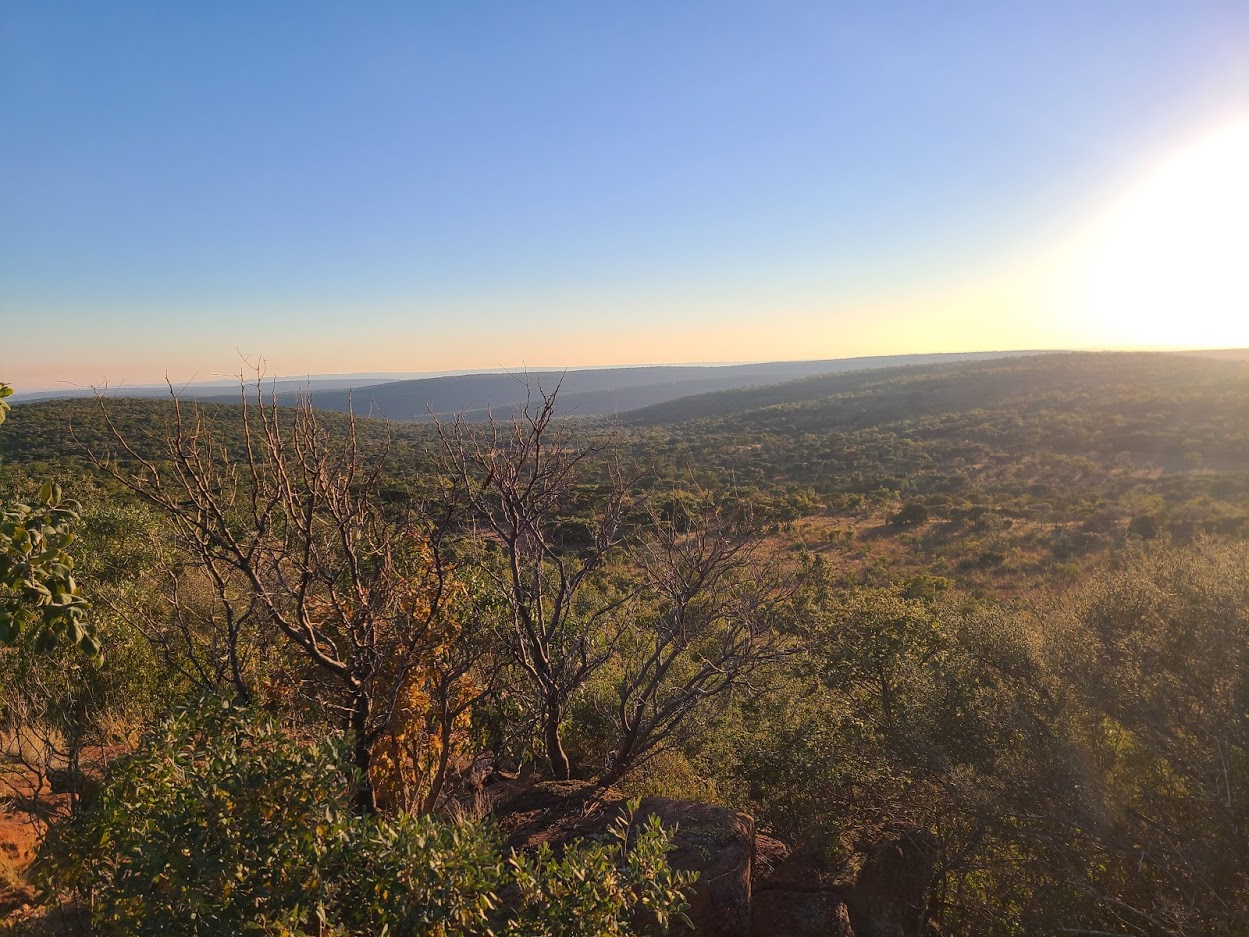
[(405, 187)]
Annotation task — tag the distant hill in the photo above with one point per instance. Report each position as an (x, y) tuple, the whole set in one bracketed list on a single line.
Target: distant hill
[(797, 392), (1225, 354), (587, 392), (219, 391), (51, 430), (1085, 380), (1048, 437)]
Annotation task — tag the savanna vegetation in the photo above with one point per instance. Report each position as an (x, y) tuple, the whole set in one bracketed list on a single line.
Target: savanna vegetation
[(271, 661)]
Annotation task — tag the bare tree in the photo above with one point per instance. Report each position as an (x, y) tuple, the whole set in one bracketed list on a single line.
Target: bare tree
[(703, 630), (519, 479), (282, 533), (287, 529), (684, 617)]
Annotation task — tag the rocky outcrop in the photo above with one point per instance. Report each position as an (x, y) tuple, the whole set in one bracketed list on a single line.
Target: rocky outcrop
[(770, 855), (890, 896), (554, 812), (778, 913), (715, 842), (748, 885), (796, 894), (718, 844)]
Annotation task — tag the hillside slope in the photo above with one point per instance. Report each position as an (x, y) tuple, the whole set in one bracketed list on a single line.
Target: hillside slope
[(588, 392), (1118, 384)]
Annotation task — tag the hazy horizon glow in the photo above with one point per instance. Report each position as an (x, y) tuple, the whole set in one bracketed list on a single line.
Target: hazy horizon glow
[(421, 188)]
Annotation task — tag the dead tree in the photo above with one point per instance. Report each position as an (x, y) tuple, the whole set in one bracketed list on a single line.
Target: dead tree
[(518, 479), (288, 531)]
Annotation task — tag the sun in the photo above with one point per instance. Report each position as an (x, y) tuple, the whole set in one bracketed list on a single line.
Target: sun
[(1169, 264)]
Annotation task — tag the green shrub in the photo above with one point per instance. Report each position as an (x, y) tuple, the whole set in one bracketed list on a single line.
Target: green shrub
[(38, 592), (222, 823)]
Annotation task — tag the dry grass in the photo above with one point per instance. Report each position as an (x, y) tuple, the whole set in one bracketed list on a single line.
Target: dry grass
[(10, 875)]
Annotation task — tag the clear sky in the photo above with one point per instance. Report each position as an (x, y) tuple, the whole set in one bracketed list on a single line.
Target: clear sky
[(347, 187)]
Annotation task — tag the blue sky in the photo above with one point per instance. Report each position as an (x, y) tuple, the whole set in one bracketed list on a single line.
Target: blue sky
[(395, 187)]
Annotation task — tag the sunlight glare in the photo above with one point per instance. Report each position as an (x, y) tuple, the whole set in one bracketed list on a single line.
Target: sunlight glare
[(1170, 264)]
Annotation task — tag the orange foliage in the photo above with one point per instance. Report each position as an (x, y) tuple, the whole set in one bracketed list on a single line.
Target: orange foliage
[(428, 732)]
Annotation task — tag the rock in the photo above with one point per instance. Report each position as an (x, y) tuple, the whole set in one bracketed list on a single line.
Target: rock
[(805, 868), (890, 897), (779, 913), (769, 854), (718, 844), (715, 842), (796, 893), (749, 885), (555, 812)]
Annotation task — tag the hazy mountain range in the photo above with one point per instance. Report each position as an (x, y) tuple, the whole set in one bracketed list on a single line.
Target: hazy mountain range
[(585, 392)]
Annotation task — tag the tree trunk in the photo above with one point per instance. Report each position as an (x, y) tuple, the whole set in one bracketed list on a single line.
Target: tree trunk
[(623, 759), (366, 799), (444, 759), (560, 769), (362, 755), (612, 774)]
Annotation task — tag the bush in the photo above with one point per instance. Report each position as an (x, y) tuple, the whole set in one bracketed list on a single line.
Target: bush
[(222, 823), (1145, 526), (1155, 657), (38, 592), (913, 514)]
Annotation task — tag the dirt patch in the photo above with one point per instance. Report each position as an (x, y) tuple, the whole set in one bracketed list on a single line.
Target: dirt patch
[(19, 838), (26, 806)]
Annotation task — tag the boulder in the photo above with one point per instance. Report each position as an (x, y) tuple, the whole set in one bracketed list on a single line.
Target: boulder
[(891, 895), (769, 855), (556, 812), (796, 893), (803, 868), (749, 885), (715, 842), (718, 844), (779, 913)]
